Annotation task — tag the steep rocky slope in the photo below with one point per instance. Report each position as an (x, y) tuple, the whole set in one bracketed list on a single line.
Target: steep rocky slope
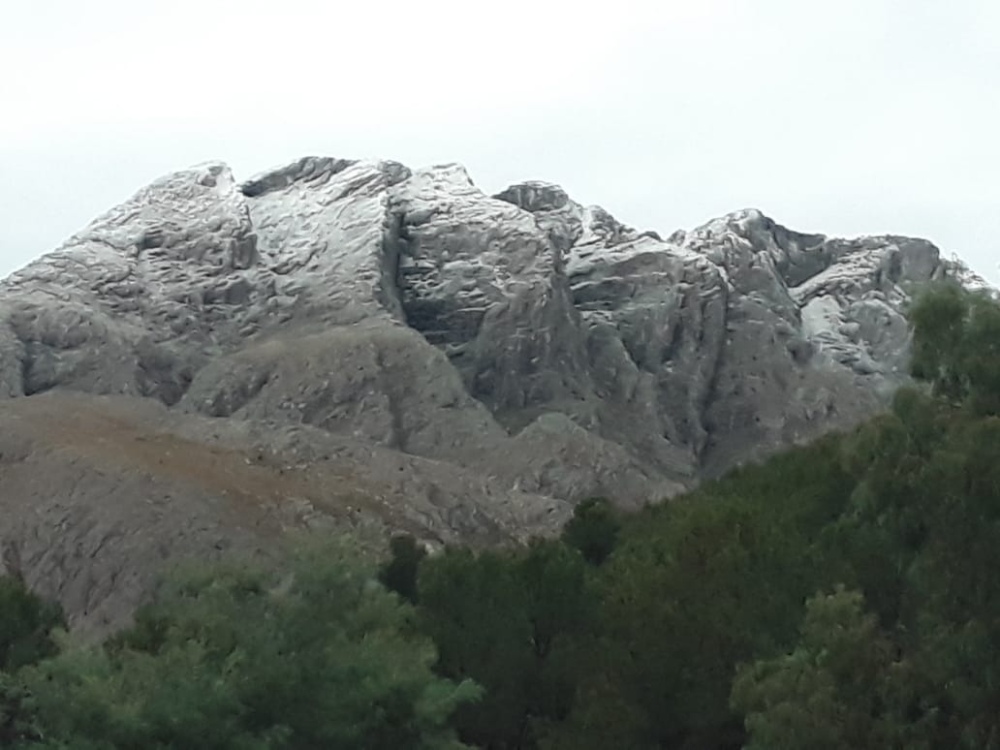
[(426, 355), (96, 493)]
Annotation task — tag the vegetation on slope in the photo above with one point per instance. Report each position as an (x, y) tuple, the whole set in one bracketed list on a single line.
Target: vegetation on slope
[(840, 595)]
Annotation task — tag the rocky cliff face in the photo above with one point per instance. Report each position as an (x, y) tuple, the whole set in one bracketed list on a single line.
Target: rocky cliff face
[(430, 357)]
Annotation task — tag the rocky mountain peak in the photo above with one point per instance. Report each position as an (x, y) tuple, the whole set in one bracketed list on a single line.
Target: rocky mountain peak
[(535, 196), (457, 364)]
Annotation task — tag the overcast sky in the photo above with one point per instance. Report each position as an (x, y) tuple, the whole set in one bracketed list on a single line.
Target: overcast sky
[(846, 117)]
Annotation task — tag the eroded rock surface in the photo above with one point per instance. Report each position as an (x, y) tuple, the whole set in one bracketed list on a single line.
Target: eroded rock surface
[(489, 359)]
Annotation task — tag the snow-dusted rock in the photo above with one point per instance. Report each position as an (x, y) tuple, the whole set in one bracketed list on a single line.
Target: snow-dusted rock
[(521, 335), (355, 343)]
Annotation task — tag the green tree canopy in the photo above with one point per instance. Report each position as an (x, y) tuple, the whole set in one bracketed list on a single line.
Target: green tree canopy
[(314, 654), (831, 692), (26, 625), (593, 529), (956, 346), (511, 622), (399, 572)]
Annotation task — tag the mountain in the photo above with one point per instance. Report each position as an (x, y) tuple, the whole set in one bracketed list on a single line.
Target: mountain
[(358, 344)]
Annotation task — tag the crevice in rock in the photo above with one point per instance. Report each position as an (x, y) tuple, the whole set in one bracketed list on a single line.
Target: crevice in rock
[(385, 380), (307, 168), (439, 322), (107, 243), (25, 371), (163, 377), (390, 290), (673, 347), (236, 389), (33, 381), (702, 402)]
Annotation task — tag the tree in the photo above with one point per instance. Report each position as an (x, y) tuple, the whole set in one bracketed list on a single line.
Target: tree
[(712, 579), (593, 530), (312, 654), (956, 346), (511, 622), (832, 692), (399, 574), (26, 625), (18, 720)]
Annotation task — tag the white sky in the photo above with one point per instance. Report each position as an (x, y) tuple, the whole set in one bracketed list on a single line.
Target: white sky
[(845, 117)]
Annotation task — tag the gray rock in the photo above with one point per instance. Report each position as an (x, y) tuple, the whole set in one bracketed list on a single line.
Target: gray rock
[(468, 366), (97, 494)]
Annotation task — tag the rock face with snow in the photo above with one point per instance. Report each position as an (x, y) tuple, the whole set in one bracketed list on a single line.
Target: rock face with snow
[(512, 354)]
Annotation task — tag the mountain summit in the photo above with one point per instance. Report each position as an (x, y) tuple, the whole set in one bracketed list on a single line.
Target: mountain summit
[(357, 343)]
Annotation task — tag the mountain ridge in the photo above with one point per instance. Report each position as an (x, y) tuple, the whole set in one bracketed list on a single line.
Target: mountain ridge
[(500, 357)]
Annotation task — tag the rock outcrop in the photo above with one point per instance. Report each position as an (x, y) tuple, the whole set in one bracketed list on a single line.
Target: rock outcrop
[(431, 357)]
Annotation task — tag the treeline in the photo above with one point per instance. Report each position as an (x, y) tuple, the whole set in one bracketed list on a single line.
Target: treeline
[(842, 595)]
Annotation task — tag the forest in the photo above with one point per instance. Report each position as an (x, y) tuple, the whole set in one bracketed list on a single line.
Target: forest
[(841, 595)]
